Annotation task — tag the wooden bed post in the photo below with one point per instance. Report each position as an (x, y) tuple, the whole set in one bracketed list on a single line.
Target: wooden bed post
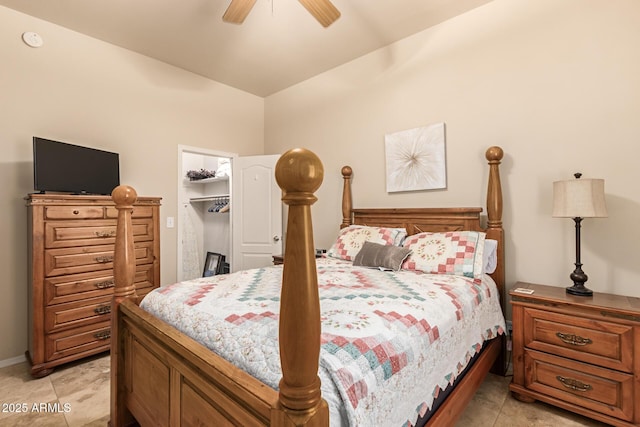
[(494, 211), (347, 202), (496, 232), (299, 173), (124, 270)]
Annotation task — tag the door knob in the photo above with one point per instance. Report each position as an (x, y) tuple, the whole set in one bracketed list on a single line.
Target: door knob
[(276, 238)]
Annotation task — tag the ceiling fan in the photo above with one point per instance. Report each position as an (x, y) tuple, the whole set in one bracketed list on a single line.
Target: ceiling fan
[(323, 10)]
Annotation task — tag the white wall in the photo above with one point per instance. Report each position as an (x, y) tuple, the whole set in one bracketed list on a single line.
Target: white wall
[(555, 83), (83, 91)]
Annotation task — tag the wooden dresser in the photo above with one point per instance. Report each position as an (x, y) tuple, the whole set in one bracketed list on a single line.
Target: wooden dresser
[(71, 241), (578, 353)]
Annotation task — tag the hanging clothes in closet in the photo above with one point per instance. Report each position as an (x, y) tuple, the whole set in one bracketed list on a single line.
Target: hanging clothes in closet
[(219, 205)]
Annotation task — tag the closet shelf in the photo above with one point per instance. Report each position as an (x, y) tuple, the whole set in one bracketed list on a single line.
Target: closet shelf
[(207, 180)]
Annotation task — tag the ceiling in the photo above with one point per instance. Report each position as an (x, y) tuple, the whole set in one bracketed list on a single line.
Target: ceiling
[(278, 45)]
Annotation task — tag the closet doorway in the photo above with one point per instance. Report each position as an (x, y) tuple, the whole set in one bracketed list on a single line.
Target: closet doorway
[(228, 205)]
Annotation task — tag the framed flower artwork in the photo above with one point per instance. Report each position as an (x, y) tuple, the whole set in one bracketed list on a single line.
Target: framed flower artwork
[(415, 159)]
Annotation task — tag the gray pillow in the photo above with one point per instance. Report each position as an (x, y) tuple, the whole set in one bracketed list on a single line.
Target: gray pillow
[(376, 255)]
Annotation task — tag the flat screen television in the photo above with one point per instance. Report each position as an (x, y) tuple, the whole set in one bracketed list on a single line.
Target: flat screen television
[(68, 168)]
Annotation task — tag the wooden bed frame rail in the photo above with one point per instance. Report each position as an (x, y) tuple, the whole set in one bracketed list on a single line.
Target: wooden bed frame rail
[(161, 377)]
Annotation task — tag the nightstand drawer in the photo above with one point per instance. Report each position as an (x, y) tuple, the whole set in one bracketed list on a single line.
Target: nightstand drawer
[(588, 340), (602, 390)]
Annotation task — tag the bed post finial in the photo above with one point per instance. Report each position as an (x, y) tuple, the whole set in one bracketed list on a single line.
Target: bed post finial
[(347, 202), (299, 174)]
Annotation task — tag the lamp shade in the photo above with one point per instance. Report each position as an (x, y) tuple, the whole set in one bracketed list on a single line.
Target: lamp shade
[(583, 198)]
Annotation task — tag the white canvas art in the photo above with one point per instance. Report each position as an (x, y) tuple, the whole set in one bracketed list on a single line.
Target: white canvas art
[(416, 159)]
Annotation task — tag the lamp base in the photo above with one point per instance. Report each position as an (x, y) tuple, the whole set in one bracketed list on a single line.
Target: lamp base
[(578, 277), (580, 290)]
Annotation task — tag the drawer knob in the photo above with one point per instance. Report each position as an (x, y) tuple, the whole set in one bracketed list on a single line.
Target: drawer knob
[(105, 234), (76, 212), (574, 384), (105, 285), (573, 339), (104, 259), (103, 309), (103, 335)]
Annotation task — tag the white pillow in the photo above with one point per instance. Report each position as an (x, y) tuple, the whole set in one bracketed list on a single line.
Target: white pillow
[(490, 256)]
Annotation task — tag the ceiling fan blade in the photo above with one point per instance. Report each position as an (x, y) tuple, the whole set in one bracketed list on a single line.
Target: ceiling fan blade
[(238, 11), (323, 10)]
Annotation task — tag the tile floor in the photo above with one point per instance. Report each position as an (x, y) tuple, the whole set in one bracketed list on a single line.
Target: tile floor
[(81, 392)]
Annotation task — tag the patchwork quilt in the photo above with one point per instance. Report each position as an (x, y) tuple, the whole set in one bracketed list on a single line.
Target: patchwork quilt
[(391, 341)]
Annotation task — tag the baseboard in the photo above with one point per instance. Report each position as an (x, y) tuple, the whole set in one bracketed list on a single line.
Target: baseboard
[(13, 361)]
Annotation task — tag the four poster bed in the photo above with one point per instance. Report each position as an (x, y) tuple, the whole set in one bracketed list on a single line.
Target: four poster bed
[(162, 376)]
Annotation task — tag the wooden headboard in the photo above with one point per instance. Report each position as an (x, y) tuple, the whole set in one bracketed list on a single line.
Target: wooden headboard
[(417, 220)]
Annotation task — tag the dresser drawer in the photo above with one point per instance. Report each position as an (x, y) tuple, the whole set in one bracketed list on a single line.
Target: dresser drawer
[(138, 212), (90, 258), (61, 234), (73, 287), (598, 342), (73, 212), (77, 313), (599, 389), (88, 340)]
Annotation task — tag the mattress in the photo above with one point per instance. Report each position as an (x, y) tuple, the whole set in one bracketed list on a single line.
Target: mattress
[(390, 343)]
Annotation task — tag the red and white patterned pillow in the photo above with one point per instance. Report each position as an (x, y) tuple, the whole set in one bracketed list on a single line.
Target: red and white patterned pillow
[(456, 252), (351, 238)]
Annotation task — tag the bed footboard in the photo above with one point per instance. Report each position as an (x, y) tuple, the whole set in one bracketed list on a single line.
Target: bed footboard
[(170, 379)]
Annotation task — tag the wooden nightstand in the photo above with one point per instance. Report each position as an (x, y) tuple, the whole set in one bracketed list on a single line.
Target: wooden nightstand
[(578, 353)]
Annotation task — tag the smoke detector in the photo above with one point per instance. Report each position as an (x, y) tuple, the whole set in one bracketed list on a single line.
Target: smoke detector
[(32, 39)]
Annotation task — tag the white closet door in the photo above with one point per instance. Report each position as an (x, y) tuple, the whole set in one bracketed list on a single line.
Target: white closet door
[(256, 212)]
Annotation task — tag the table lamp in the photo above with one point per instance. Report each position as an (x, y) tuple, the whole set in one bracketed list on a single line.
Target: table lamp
[(578, 199)]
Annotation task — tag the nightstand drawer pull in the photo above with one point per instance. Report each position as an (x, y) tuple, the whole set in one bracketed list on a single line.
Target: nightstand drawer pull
[(104, 259), (105, 285), (573, 339), (104, 335), (574, 384), (111, 233), (103, 309)]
